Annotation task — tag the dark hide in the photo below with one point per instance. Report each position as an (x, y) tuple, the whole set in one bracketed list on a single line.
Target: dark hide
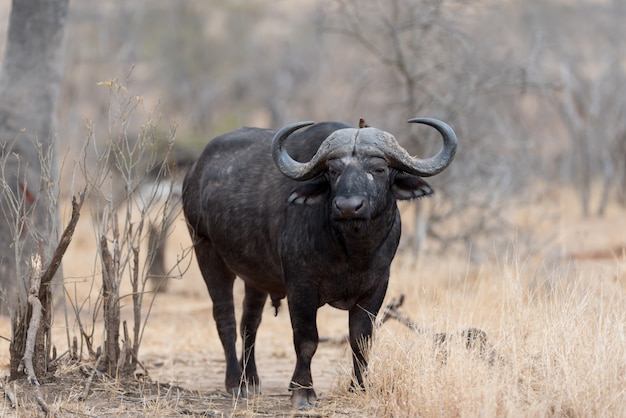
[(328, 240)]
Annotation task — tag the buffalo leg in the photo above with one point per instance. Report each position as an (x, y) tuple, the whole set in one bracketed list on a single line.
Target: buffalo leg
[(360, 339), (253, 305), (361, 325), (303, 313), (219, 280)]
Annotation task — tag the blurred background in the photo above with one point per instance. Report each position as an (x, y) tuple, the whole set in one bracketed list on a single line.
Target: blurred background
[(534, 89)]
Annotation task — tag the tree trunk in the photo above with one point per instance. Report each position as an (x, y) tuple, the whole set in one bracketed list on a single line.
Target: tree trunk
[(30, 79), (157, 240), (622, 181)]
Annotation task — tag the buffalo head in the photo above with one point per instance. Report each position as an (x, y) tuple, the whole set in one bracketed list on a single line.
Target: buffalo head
[(357, 167)]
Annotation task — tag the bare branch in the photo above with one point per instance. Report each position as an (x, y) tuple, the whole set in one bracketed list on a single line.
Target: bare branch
[(93, 373), (9, 392), (33, 328), (65, 240)]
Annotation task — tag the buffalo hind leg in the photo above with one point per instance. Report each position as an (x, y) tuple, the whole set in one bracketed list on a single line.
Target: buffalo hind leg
[(219, 281), (253, 305)]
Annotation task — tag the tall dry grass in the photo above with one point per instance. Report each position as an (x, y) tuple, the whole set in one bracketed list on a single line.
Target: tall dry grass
[(558, 341)]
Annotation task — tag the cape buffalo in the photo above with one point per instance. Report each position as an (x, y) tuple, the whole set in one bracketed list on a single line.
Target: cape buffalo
[(313, 219)]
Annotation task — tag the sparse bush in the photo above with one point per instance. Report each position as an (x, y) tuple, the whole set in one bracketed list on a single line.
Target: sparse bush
[(125, 198)]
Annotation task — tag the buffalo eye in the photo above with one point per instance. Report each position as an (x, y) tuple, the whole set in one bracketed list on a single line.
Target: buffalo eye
[(334, 169), (377, 166)]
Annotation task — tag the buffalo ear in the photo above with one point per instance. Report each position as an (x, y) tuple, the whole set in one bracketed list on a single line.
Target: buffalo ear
[(309, 194), (406, 186)]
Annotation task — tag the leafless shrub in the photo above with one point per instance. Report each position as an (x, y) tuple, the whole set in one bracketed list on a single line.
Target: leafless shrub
[(121, 237), (31, 222), (122, 212), (28, 206)]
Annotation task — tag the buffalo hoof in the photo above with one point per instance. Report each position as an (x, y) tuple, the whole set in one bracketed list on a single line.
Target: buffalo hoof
[(244, 391), (303, 398), (238, 392)]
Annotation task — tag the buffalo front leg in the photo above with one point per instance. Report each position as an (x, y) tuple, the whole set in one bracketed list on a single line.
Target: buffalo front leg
[(253, 305), (219, 280), (360, 340), (303, 313), (361, 325)]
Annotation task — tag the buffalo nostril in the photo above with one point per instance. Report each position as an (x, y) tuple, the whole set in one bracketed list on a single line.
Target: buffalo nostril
[(357, 204), (350, 207)]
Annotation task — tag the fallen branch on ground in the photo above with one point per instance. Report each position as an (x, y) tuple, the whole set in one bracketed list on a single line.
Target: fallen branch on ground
[(473, 338), (391, 311), (94, 372), (9, 393)]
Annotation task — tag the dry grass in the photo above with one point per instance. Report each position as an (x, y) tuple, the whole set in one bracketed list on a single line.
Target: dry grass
[(555, 320), (559, 350)]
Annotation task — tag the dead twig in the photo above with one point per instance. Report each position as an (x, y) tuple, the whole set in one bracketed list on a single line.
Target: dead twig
[(41, 401), (110, 293), (39, 291), (33, 328), (474, 339), (59, 358), (125, 351), (391, 311), (65, 240), (9, 393), (27, 359), (94, 372)]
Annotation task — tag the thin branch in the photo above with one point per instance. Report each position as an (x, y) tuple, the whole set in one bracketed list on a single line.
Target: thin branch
[(94, 372), (391, 311), (31, 336), (65, 240), (9, 392)]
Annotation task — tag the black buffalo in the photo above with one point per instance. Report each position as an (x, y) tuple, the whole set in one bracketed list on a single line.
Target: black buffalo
[(314, 220)]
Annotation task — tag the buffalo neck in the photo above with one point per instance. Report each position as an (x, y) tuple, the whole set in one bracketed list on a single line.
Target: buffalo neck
[(362, 240)]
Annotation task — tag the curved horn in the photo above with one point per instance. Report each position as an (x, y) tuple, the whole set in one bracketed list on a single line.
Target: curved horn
[(288, 166), (435, 164)]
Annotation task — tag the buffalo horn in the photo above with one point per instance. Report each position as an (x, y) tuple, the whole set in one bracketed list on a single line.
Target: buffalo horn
[(396, 155), (401, 160), (288, 166)]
